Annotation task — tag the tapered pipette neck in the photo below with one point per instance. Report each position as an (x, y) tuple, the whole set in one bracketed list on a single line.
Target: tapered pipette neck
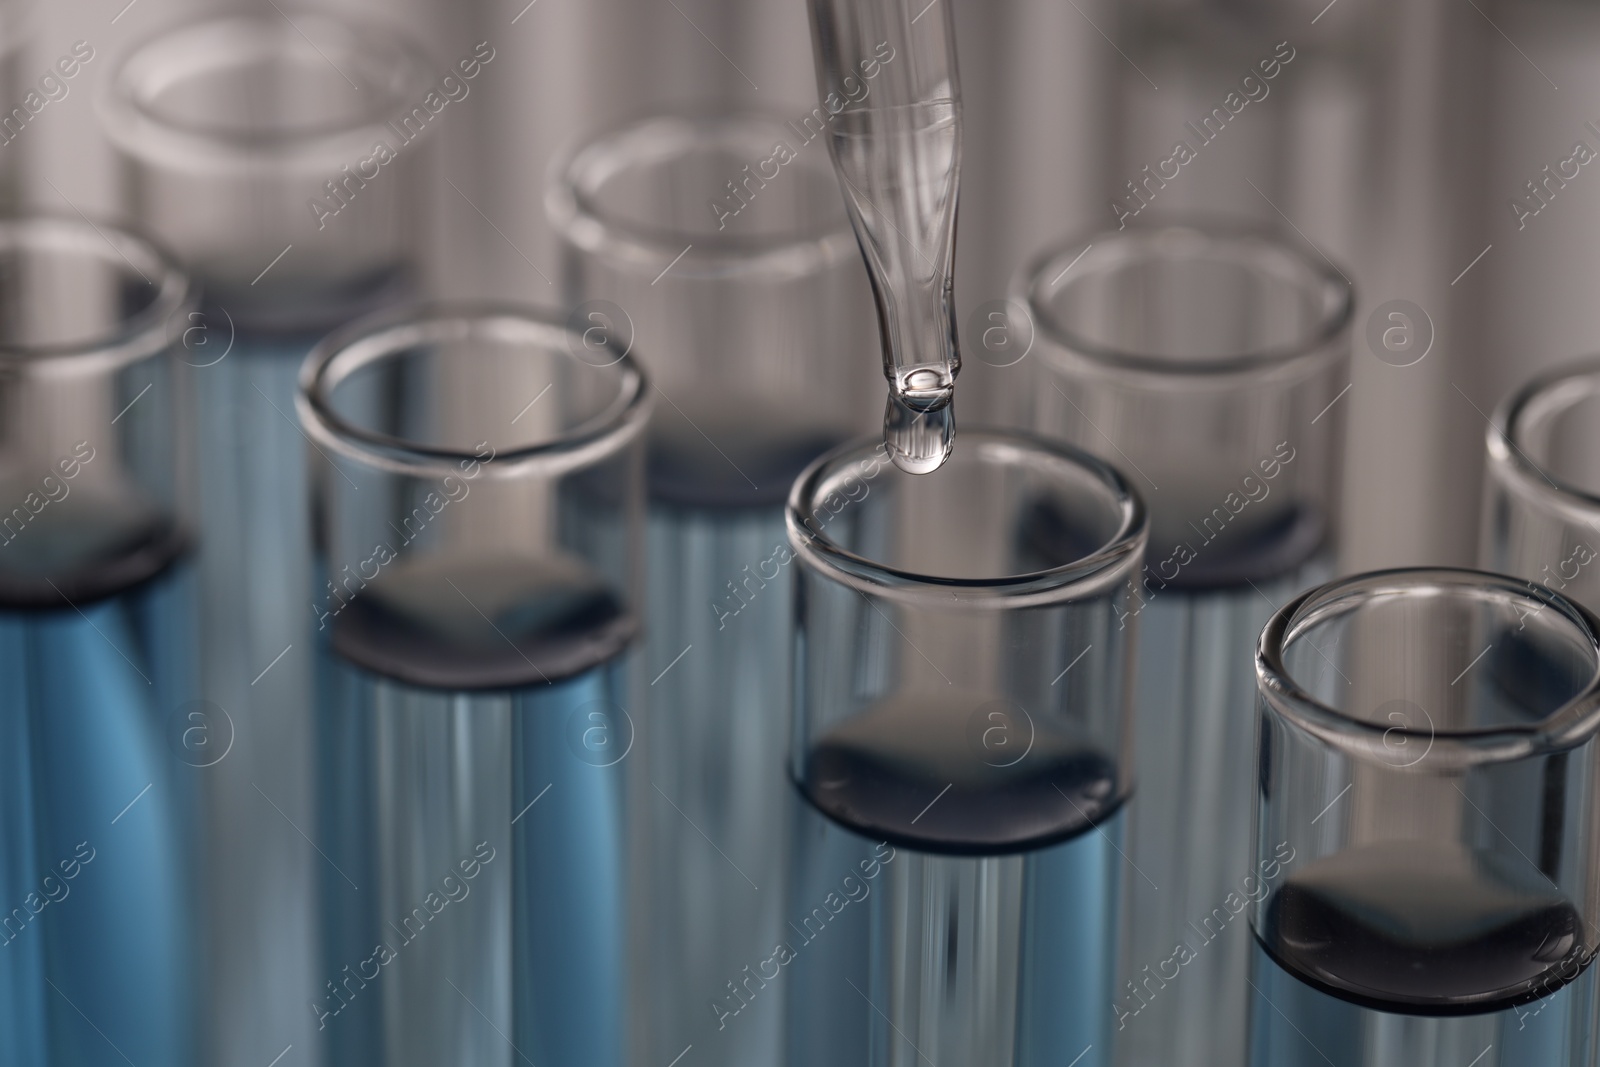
[(886, 71)]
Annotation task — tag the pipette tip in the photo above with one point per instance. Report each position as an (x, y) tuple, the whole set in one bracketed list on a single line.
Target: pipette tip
[(920, 437)]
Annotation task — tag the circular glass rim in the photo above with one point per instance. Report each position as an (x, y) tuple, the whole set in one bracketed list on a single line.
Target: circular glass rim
[(1086, 576), (576, 217), (180, 50), (1505, 436), (148, 331), (395, 331), (1564, 727), (1116, 247)]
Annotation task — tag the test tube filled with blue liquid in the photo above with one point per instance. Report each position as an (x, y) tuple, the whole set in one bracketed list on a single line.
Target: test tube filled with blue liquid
[(97, 950), (480, 535), (1540, 509), (962, 736), (1424, 888), (718, 247), (1207, 364), (279, 158)]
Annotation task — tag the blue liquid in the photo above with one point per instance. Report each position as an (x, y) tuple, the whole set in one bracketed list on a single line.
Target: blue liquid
[(1191, 845), (904, 770), (719, 800), (994, 959), (257, 661), (499, 813), (255, 575), (97, 954), (1425, 953), (1002, 954), (1293, 1024)]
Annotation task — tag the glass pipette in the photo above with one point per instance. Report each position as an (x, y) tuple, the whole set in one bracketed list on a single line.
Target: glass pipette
[(886, 70)]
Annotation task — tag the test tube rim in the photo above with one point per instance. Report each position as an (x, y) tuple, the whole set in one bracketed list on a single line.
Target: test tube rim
[(1452, 750), (1073, 352), (1509, 459), (1089, 576), (151, 330), (394, 330), (578, 220), (143, 132)]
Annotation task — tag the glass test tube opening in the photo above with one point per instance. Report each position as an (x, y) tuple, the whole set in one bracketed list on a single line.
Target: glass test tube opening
[(480, 521), (247, 138), (96, 638), (962, 688), (1425, 828), (408, 406), (1200, 358), (1015, 557), (1542, 504), (721, 244)]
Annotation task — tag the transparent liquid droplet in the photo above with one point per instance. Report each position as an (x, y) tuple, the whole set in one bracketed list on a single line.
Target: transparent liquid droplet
[(920, 436)]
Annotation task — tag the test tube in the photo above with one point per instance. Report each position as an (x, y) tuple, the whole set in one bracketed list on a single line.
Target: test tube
[(278, 155), (480, 551), (962, 733), (1542, 501), (1207, 364), (96, 631), (736, 280), (892, 106), (1541, 516), (1424, 886)]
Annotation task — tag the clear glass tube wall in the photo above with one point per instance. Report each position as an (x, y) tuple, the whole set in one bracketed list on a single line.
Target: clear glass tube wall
[(1424, 887), (97, 675), (718, 249), (963, 697), (1208, 364), (480, 532), (1541, 514), (280, 158)]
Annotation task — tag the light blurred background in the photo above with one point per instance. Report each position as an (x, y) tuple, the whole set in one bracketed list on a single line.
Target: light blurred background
[(1394, 142)]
